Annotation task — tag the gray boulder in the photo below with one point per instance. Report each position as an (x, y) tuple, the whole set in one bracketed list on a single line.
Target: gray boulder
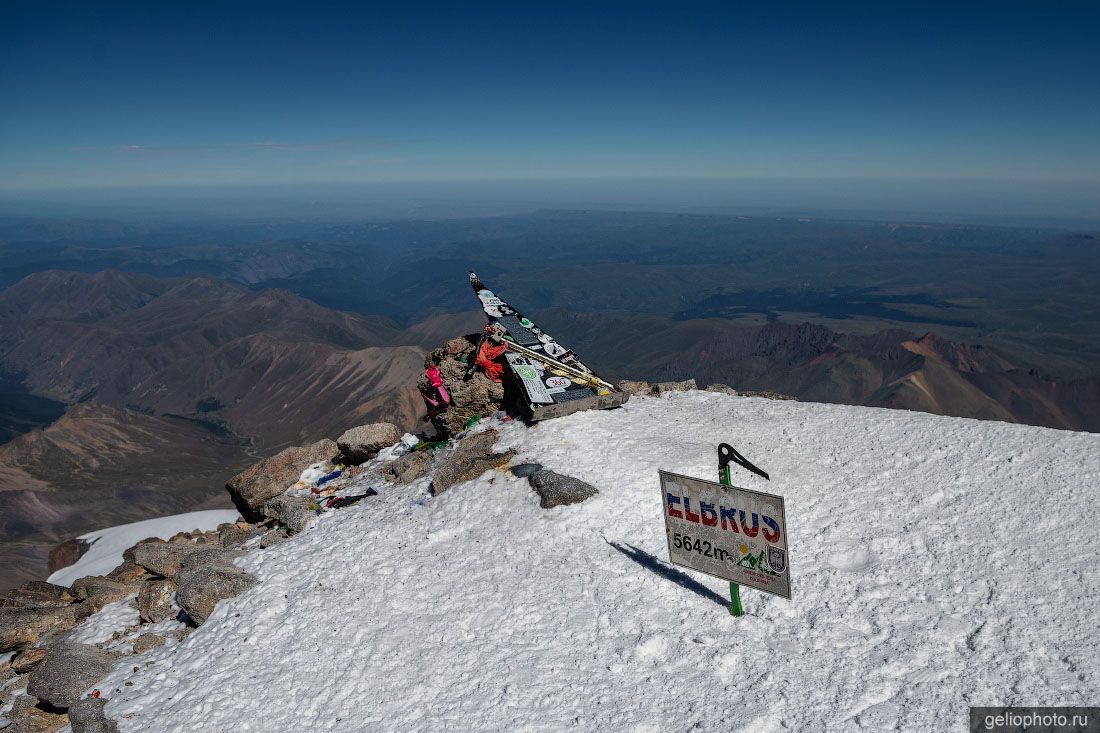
[(637, 388), (99, 591), (69, 670), (128, 572), (88, 716), (472, 456), (667, 387), (235, 535), (523, 470), (27, 715), (272, 538), (128, 553), (211, 555), (359, 445), (163, 558), (154, 601), (250, 488), (293, 511), (28, 659), (554, 489), (722, 389), (409, 467), (21, 627), (201, 588)]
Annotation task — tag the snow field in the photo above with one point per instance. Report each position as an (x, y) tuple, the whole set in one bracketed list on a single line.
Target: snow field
[(936, 563)]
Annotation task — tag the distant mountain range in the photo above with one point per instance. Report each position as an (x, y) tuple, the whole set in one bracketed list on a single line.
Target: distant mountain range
[(889, 368), (175, 383)]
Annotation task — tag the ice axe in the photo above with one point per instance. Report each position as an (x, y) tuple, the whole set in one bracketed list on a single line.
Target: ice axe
[(726, 455)]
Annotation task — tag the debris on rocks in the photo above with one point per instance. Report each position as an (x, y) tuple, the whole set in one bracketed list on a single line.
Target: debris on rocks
[(250, 488)]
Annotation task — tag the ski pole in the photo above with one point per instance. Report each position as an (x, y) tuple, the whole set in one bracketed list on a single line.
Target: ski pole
[(550, 361)]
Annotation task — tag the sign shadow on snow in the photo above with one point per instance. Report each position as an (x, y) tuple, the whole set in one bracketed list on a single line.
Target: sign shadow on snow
[(655, 565)]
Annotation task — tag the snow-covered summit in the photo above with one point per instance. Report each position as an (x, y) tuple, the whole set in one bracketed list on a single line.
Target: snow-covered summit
[(936, 563)]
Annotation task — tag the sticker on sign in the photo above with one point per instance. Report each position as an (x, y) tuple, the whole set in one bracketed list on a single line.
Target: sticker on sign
[(726, 531)]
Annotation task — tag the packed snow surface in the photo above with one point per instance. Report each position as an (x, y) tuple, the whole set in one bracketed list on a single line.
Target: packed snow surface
[(113, 618), (936, 563), (105, 554)]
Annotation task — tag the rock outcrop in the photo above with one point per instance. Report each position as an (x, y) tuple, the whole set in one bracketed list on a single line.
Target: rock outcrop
[(21, 627), (37, 594), (768, 395), (67, 553), (29, 716), (477, 396), (148, 642), (28, 659), (637, 388), (471, 457), (250, 488), (685, 386), (234, 535)]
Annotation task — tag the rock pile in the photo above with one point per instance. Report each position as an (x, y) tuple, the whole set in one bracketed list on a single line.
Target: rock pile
[(183, 577), (471, 398)]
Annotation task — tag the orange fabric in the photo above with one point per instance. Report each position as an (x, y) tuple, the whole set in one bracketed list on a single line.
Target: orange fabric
[(487, 357)]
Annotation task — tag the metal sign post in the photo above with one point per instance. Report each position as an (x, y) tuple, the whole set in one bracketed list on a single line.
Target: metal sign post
[(736, 608)]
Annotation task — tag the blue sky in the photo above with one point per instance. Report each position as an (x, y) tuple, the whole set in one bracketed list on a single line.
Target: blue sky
[(120, 94)]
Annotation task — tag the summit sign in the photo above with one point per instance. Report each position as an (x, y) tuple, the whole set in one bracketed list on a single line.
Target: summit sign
[(728, 532)]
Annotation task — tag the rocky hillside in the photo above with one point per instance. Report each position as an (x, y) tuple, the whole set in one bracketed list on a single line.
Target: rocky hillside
[(203, 347), (515, 578), (98, 466)]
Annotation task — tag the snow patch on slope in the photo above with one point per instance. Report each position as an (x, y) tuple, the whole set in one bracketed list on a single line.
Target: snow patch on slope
[(105, 554), (102, 625), (936, 563)]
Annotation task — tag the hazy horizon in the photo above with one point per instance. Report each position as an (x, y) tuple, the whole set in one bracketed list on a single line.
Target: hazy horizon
[(1056, 204)]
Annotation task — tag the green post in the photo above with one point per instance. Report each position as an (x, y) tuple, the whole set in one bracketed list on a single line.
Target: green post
[(735, 590), (735, 600)]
